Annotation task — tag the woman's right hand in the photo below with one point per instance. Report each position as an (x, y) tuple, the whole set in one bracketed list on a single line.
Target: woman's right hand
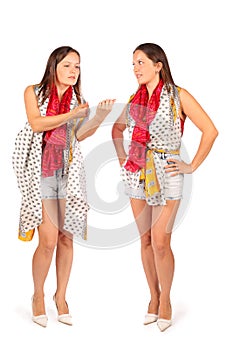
[(81, 111), (122, 160)]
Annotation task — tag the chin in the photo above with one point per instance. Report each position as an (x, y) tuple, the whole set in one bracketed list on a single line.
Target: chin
[(142, 82)]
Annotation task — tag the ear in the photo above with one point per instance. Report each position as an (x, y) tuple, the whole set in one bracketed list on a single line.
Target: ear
[(158, 66)]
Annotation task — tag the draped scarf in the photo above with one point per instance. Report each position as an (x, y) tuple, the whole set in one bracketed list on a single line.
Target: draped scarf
[(54, 141), (143, 111)]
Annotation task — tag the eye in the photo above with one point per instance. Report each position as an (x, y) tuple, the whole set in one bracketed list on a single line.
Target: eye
[(140, 62)]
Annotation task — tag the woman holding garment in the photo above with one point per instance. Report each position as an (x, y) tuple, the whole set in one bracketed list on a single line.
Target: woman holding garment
[(153, 170), (49, 166)]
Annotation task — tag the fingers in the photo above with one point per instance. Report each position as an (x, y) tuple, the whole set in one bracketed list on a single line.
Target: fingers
[(83, 105), (173, 166), (176, 167), (122, 160), (82, 110), (107, 103)]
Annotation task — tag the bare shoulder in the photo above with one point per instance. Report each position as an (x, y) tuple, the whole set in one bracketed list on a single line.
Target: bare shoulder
[(31, 103), (185, 95), (29, 95), (194, 111), (29, 90), (188, 102)]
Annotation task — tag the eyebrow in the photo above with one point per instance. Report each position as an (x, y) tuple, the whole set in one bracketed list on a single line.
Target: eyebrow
[(70, 62), (138, 59)]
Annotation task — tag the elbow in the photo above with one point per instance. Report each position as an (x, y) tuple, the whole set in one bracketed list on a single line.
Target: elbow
[(215, 133), (35, 124), (212, 134), (115, 131), (82, 136), (35, 127)]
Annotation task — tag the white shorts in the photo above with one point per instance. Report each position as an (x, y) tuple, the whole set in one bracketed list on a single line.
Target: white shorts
[(173, 186)]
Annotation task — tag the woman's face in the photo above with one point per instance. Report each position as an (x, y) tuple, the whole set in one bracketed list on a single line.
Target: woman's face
[(144, 69), (68, 69)]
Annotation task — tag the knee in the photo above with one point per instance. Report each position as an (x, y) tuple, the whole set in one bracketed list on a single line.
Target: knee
[(48, 246), (65, 241), (160, 247), (146, 240)]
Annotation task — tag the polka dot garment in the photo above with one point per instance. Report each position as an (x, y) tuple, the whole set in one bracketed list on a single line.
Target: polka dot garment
[(165, 134), (27, 166)]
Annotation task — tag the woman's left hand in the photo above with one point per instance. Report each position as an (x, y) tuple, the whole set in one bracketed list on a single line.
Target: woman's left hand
[(177, 167), (104, 108)]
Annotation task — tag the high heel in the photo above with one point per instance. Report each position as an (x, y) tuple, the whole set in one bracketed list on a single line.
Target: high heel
[(41, 320), (150, 318), (63, 318), (163, 324)]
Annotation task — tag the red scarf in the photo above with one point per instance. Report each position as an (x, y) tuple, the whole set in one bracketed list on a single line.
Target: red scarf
[(55, 140), (143, 111)]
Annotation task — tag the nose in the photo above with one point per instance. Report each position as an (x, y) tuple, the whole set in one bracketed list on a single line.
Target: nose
[(135, 68)]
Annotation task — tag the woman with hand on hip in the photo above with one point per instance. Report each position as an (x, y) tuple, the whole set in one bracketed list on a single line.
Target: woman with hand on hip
[(153, 170), (49, 166)]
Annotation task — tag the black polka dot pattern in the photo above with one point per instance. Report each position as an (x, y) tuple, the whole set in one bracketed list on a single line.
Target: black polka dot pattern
[(165, 134), (26, 161)]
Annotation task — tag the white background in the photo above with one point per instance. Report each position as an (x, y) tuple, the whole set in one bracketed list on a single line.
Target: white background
[(107, 293)]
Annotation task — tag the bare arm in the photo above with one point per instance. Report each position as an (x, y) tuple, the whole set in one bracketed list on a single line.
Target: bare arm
[(90, 127), (200, 118), (40, 123), (118, 137), (203, 122)]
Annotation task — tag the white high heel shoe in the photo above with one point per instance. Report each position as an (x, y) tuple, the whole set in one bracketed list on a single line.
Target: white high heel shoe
[(150, 318), (163, 324), (64, 318), (41, 320)]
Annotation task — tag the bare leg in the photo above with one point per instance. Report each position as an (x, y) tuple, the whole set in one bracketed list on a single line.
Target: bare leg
[(64, 259), (162, 224), (42, 260), (142, 213)]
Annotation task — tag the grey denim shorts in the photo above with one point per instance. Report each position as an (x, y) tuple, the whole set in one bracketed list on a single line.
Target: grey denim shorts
[(54, 187)]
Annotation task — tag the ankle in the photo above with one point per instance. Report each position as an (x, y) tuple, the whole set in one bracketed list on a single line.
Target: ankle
[(61, 305), (153, 306), (38, 306), (165, 298), (165, 309), (38, 296), (59, 297)]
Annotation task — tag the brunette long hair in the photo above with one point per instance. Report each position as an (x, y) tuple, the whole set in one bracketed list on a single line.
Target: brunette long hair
[(49, 78), (156, 54)]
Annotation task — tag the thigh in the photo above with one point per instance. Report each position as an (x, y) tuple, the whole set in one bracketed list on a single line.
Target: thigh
[(50, 211), (48, 231), (61, 219), (142, 213), (163, 217)]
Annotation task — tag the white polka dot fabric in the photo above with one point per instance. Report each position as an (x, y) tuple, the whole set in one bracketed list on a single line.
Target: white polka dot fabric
[(27, 166), (165, 134)]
